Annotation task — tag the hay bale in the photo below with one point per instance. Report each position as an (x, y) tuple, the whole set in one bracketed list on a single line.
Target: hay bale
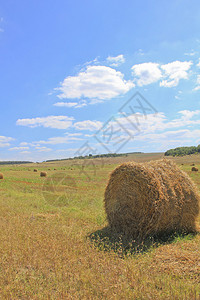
[(35, 170), (1, 176), (150, 199), (43, 174), (194, 169), (192, 164)]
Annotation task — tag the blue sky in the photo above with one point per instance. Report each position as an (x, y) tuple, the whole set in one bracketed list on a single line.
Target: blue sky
[(67, 67)]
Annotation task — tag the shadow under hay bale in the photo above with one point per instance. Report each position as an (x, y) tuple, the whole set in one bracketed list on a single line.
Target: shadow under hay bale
[(43, 174), (1, 176), (194, 169), (107, 240), (150, 199)]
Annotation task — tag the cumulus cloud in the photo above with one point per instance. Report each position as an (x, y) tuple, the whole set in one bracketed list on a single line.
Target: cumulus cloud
[(71, 104), (175, 71), (58, 122), (191, 53), (146, 73), (65, 104), (159, 122), (198, 83), (88, 125), (5, 141), (169, 74), (115, 61), (58, 140), (23, 144), (98, 82), (43, 149), (18, 148)]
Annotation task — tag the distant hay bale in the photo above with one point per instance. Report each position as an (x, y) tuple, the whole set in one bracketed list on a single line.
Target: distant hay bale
[(43, 174), (194, 169), (35, 170), (151, 198), (192, 164), (1, 176)]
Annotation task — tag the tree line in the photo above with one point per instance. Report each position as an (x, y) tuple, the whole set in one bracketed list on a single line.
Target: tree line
[(181, 151), (14, 162)]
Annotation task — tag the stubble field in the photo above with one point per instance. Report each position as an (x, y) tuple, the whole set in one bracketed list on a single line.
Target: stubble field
[(55, 243)]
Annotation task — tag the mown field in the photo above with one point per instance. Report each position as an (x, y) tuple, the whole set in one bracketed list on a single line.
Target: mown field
[(55, 243)]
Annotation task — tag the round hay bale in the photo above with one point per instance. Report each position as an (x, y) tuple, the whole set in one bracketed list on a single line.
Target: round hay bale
[(192, 164), (194, 169), (1, 176), (151, 198), (35, 170), (43, 174)]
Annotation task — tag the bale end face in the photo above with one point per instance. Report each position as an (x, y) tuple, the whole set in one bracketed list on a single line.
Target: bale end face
[(147, 199)]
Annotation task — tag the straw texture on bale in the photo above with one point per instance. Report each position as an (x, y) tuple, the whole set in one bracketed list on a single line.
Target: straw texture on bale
[(194, 169), (1, 176), (151, 198), (43, 174)]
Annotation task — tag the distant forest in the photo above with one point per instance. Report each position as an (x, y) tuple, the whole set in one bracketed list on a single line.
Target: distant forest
[(14, 162), (95, 156), (181, 151)]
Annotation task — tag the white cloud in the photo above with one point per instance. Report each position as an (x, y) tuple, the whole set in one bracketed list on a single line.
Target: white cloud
[(74, 134), (191, 53), (58, 122), (158, 122), (23, 144), (146, 73), (88, 125), (65, 104), (25, 152), (198, 65), (98, 82), (71, 104), (5, 141), (170, 74), (175, 71), (57, 140), (198, 83), (43, 149), (115, 61), (18, 148)]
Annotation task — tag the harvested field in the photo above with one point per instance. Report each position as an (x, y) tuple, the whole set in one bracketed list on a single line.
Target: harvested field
[(68, 252)]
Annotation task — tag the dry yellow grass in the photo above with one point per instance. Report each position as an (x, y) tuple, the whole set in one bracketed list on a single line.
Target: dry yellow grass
[(151, 198), (45, 252)]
